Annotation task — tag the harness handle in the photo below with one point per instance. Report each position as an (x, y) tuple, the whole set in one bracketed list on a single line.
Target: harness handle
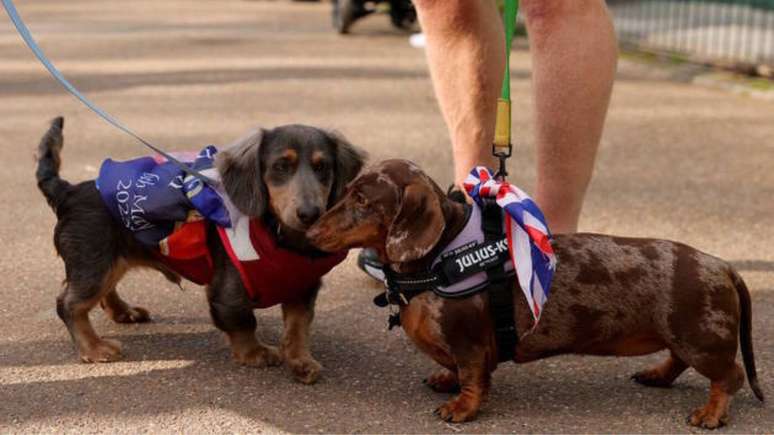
[(502, 147)]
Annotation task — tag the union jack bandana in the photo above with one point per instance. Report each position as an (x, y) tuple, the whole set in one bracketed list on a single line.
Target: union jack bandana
[(529, 240)]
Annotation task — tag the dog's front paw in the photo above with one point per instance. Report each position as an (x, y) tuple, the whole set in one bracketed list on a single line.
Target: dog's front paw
[(261, 356), (104, 350), (132, 315), (458, 410), (443, 381), (707, 417), (305, 369)]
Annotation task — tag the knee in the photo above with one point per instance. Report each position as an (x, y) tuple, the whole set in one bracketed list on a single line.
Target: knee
[(544, 14), (539, 9), (438, 6), (458, 14)]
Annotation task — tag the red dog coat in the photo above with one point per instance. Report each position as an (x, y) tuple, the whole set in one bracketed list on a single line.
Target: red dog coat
[(169, 212)]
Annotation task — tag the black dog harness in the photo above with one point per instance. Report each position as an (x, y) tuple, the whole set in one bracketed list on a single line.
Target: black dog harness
[(476, 260)]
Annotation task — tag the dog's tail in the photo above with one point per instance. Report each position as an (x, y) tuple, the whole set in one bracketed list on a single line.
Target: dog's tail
[(745, 334), (49, 160)]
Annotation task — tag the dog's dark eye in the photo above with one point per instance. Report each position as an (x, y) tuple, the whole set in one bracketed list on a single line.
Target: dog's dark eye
[(282, 165), (320, 167)]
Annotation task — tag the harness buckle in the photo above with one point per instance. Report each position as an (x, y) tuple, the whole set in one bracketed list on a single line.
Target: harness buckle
[(390, 295), (442, 278), (392, 289), (392, 300)]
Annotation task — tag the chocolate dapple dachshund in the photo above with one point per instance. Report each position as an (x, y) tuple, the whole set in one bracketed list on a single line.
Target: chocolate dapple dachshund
[(286, 177), (610, 296)]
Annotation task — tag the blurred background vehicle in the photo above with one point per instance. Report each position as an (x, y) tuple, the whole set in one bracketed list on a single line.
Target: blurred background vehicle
[(346, 12)]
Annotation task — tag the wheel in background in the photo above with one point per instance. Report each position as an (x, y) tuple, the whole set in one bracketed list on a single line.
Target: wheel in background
[(402, 14), (344, 14)]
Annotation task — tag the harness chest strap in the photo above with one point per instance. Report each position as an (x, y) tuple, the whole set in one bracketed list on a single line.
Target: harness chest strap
[(500, 289)]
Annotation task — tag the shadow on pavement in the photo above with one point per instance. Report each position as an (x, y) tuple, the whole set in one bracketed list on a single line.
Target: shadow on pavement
[(753, 265), (377, 376), (44, 85)]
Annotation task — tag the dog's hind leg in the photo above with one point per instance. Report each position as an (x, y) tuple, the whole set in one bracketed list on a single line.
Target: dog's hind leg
[(121, 312), (715, 413), (82, 292), (295, 340), (723, 384), (712, 353), (662, 375), (443, 381)]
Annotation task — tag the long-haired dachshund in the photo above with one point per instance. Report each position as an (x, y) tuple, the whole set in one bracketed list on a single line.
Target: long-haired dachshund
[(287, 176), (610, 296)]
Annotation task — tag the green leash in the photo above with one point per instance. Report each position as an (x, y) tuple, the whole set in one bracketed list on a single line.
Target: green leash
[(502, 147)]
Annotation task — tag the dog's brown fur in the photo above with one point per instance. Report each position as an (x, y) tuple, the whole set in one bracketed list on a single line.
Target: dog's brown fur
[(610, 296), (289, 175)]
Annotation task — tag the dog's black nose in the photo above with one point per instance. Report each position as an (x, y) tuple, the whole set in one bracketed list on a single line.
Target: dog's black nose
[(308, 214)]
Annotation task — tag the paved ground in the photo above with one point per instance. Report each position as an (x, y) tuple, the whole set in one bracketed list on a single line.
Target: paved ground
[(677, 161)]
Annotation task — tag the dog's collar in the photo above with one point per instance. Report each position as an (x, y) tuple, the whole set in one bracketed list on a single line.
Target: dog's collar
[(274, 229)]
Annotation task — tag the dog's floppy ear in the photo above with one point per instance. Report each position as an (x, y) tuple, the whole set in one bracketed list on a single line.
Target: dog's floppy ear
[(240, 172), (349, 162), (418, 226)]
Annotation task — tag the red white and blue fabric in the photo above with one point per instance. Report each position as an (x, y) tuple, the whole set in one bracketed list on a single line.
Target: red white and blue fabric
[(529, 240)]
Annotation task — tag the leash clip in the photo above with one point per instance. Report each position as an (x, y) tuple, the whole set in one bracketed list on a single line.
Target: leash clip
[(391, 289), (502, 155)]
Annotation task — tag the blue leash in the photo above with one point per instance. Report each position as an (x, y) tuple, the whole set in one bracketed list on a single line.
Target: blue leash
[(24, 32)]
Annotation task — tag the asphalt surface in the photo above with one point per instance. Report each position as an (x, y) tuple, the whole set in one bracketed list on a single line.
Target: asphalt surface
[(677, 161)]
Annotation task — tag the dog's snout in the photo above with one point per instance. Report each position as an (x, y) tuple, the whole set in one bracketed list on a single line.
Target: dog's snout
[(308, 214)]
